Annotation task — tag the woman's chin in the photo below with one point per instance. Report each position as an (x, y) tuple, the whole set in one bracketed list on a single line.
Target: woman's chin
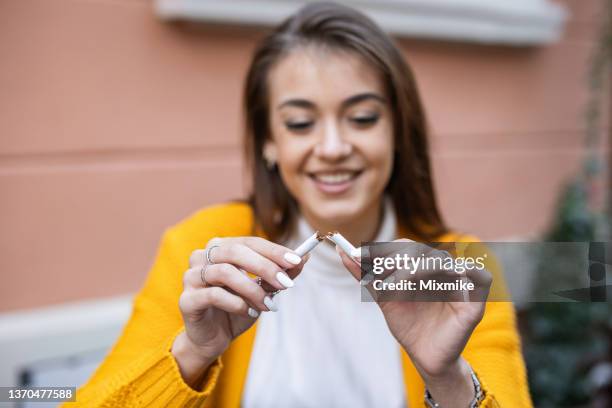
[(335, 213)]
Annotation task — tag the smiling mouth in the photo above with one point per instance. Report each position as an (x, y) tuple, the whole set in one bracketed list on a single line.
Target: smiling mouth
[(336, 177)]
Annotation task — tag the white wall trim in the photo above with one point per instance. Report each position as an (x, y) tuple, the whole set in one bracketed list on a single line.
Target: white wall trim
[(511, 22), (30, 336)]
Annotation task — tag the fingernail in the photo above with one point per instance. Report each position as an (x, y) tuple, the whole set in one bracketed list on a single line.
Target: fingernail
[(284, 279), (356, 253), (292, 258), (252, 312), (270, 304)]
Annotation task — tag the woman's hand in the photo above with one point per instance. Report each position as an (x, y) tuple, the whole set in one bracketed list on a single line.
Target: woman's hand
[(220, 301), (433, 333)]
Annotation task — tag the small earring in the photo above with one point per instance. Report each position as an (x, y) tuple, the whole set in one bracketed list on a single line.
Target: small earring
[(270, 163)]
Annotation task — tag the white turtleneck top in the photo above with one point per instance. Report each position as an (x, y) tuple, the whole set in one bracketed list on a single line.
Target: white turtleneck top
[(325, 347)]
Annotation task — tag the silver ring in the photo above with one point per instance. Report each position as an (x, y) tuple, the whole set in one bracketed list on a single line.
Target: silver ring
[(210, 262), (259, 280), (203, 275)]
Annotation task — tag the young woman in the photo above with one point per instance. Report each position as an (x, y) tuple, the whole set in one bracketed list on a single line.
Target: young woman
[(336, 141)]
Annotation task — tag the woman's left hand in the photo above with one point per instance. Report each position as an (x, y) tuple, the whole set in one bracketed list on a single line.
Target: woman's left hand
[(434, 333)]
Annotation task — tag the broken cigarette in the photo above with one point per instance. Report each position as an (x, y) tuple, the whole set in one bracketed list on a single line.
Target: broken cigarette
[(309, 244), (344, 244)]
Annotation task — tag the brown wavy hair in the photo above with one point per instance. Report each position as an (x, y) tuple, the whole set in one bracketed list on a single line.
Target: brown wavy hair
[(335, 26)]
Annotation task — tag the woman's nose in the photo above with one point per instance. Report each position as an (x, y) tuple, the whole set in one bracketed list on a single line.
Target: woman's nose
[(332, 146)]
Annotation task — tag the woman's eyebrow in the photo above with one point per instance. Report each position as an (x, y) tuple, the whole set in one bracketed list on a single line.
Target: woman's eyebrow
[(361, 97), (305, 103), (300, 103)]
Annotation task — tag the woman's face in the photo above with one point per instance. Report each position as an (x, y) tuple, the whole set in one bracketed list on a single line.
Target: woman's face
[(332, 134)]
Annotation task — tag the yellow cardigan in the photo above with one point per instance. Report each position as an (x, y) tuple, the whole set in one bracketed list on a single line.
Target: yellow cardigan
[(141, 371)]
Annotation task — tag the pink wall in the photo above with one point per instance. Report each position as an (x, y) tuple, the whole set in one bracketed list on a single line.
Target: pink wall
[(115, 125)]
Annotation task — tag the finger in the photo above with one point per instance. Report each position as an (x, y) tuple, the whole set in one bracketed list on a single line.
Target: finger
[(354, 268), (259, 282), (194, 277), (244, 257), (199, 278), (292, 273), (194, 302), (479, 277), (349, 263), (229, 276), (200, 256), (296, 270), (482, 280), (280, 255), (197, 258)]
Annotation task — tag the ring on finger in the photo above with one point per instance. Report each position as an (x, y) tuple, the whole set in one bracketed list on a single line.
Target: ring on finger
[(259, 281), (207, 252), (203, 275)]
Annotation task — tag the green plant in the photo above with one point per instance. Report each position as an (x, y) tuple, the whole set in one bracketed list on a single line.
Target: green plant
[(568, 346)]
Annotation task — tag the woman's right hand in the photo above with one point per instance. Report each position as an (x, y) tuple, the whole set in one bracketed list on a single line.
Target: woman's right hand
[(227, 301)]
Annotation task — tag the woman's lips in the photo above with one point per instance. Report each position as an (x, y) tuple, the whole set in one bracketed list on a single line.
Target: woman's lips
[(334, 183)]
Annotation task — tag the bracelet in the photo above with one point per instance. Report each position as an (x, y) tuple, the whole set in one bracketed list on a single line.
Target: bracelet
[(478, 393)]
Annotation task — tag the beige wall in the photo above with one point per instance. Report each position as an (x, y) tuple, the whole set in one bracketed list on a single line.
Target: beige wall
[(115, 125)]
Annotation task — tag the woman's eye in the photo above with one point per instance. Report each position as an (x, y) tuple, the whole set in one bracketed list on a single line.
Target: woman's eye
[(299, 125), (365, 119)]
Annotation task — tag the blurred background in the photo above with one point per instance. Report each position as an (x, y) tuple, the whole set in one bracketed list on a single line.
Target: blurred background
[(118, 118)]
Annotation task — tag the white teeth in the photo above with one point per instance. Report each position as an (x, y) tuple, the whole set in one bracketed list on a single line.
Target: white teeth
[(335, 178)]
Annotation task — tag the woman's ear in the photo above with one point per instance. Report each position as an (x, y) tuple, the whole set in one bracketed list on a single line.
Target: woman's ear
[(270, 154)]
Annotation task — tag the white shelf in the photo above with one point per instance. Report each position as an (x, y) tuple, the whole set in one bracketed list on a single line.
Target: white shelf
[(511, 22)]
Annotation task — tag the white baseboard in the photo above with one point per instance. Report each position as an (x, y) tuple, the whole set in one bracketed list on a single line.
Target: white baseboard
[(30, 337)]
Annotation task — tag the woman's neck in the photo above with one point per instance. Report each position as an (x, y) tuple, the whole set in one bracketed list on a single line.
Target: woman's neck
[(362, 228)]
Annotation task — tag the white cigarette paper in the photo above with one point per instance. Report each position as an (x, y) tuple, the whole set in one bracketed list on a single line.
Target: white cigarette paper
[(309, 244), (343, 243)]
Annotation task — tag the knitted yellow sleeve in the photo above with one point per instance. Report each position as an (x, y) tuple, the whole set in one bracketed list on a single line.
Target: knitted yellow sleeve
[(140, 370), (494, 349)]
